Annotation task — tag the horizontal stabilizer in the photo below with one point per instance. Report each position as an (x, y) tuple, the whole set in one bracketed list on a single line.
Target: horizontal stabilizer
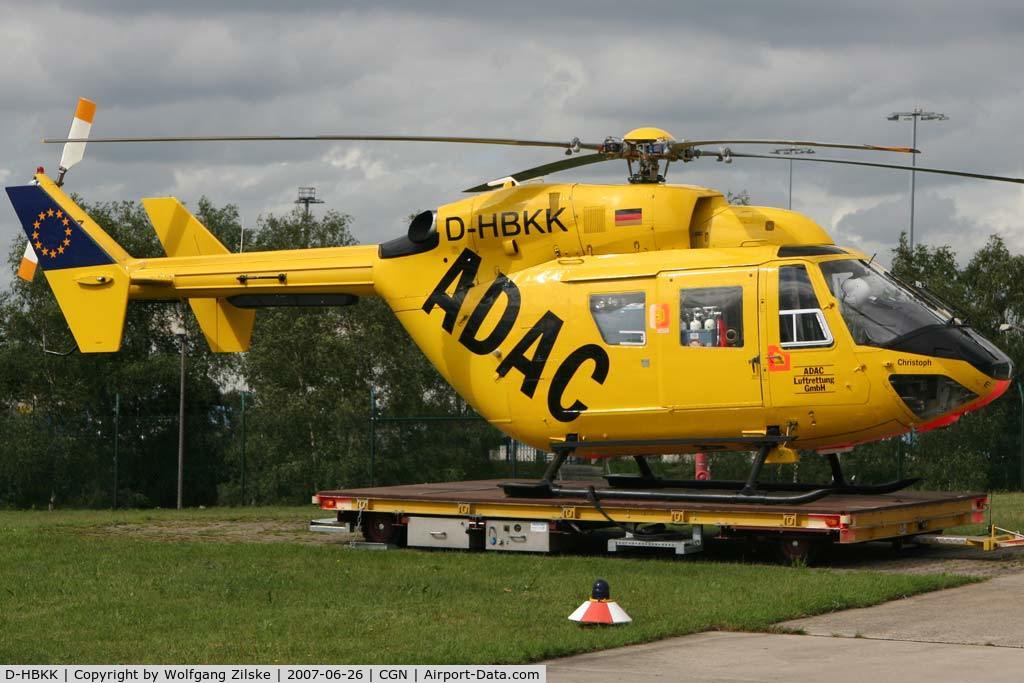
[(227, 328)]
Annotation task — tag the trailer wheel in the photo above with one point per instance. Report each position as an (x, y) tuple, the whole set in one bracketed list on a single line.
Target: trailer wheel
[(380, 527), (796, 552)]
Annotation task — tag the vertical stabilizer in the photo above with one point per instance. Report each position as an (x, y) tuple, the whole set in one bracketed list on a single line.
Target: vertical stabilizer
[(82, 263)]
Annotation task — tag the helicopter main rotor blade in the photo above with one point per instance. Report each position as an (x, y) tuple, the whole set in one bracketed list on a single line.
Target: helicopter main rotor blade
[(899, 167), (569, 144), (554, 167), (573, 145), (686, 144)]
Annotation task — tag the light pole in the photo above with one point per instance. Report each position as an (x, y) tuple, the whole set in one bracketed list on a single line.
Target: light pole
[(913, 116), (117, 437), (178, 330), (789, 152), (373, 433), (243, 449), (307, 196)]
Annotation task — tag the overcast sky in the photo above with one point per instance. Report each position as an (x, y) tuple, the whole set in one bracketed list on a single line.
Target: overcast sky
[(541, 70)]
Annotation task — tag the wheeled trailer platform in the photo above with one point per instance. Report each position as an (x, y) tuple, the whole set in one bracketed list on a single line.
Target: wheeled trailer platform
[(479, 515)]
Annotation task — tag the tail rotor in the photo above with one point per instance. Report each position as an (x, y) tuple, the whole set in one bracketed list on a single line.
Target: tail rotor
[(81, 124)]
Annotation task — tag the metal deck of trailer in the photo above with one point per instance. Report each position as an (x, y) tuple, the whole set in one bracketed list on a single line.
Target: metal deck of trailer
[(471, 505)]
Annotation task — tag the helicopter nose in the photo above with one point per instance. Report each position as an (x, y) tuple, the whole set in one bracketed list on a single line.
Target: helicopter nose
[(954, 412), (960, 343), (997, 389), (986, 356), (939, 400)]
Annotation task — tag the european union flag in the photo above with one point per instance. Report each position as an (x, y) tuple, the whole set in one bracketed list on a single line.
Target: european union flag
[(57, 238)]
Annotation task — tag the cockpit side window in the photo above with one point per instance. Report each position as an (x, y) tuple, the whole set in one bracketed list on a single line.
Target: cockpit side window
[(620, 318), (801, 322), (875, 307)]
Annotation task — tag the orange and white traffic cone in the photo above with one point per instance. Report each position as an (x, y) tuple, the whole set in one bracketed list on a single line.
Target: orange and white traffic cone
[(600, 608)]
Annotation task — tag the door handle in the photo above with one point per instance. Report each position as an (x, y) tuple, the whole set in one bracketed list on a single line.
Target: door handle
[(756, 360)]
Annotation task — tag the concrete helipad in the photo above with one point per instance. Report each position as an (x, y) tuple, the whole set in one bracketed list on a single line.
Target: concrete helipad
[(718, 656), (973, 632), (989, 613)]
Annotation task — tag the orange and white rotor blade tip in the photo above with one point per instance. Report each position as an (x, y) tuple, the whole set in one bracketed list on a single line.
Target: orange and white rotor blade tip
[(29, 261), (80, 127)]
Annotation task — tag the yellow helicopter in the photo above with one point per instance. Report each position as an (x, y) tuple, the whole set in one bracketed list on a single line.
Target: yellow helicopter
[(592, 320)]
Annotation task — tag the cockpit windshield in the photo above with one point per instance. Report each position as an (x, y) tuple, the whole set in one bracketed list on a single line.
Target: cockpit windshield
[(874, 305)]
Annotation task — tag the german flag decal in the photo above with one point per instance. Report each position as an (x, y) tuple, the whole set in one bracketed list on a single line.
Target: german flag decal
[(625, 217)]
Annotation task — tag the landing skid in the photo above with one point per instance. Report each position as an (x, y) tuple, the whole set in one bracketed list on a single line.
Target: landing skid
[(647, 486), (633, 481), (552, 490)]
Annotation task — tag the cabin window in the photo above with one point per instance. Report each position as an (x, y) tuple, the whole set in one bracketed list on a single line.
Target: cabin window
[(620, 317), (711, 316), (801, 322)]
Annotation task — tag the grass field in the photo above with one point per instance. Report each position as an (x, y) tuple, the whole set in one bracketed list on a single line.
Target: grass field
[(1007, 512), (74, 588)]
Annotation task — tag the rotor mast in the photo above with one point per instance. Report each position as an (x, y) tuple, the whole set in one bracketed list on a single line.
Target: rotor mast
[(645, 146)]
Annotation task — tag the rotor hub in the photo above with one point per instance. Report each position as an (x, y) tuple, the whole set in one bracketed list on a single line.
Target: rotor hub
[(648, 134), (646, 146)]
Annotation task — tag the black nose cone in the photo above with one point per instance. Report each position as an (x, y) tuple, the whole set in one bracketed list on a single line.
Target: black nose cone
[(959, 343)]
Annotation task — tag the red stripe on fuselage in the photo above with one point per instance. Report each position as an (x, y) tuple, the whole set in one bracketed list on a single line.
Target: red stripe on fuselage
[(1000, 388)]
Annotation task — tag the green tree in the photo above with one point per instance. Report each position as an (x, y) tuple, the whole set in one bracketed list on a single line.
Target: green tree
[(59, 409), (741, 198), (311, 372), (309, 375)]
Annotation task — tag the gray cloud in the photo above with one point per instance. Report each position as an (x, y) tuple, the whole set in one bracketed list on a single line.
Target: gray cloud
[(553, 70)]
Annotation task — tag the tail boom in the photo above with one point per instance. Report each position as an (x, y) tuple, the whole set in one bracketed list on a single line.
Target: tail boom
[(330, 270), (93, 277)]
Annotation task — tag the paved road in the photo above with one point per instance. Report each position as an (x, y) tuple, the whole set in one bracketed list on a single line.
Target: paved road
[(973, 632), (989, 613), (735, 657)]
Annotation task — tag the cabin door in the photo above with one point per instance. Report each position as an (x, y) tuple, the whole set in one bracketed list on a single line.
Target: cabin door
[(617, 312), (809, 358), (706, 325)]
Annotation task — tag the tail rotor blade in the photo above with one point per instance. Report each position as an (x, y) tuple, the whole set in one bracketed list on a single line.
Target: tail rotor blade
[(81, 124), (29, 262)]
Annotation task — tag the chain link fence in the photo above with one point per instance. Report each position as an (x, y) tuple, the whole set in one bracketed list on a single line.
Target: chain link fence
[(233, 455)]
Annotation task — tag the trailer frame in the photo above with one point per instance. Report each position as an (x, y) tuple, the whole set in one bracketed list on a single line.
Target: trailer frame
[(834, 519)]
